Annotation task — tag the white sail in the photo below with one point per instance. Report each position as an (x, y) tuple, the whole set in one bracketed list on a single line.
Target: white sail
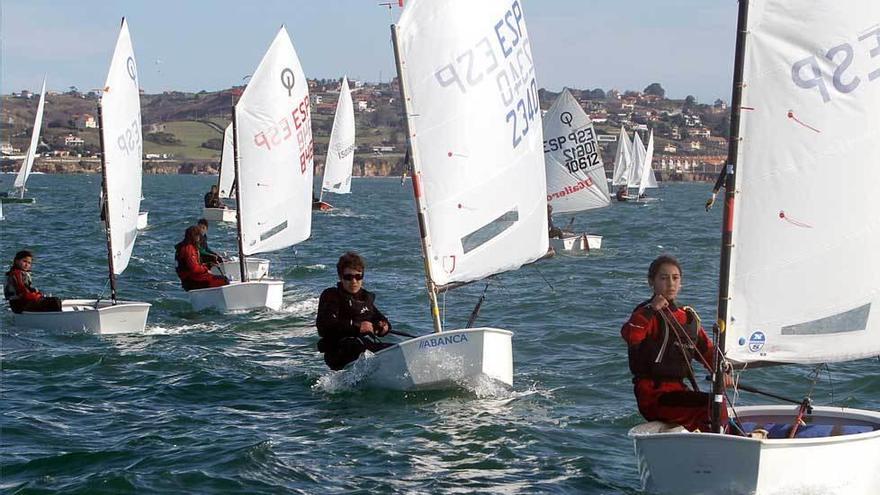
[(227, 165), (340, 149), (475, 131), (805, 269), (575, 172), (25, 170), (123, 149), (622, 159), (638, 160), (648, 179), (274, 136)]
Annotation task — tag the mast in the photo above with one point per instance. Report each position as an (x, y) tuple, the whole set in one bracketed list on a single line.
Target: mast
[(416, 184), (106, 205), (727, 223), (241, 261)]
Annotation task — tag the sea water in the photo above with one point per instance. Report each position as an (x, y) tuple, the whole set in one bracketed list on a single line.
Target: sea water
[(210, 403)]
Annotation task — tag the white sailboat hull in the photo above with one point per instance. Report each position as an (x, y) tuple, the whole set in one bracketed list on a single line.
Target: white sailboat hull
[(576, 243), (219, 214), (239, 297), (257, 268), (441, 361), (81, 315), (695, 463), (143, 220)]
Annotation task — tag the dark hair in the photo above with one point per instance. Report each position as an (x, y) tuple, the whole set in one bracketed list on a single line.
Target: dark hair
[(663, 259), (350, 260), (192, 235), (202, 221), (24, 253)]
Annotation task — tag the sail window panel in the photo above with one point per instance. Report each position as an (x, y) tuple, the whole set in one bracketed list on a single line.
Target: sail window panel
[(850, 321), (489, 231)]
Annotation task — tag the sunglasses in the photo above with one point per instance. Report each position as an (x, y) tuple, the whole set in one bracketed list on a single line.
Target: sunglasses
[(352, 276)]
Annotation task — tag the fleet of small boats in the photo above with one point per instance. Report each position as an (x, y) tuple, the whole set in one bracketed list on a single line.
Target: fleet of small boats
[(485, 166)]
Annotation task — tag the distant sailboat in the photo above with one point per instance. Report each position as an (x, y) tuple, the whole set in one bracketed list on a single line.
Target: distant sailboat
[(647, 179), (272, 131), (17, 195), (340, 150), (478, 182), (575, 171), (119, 116), (225, 181), (799, 278), (623, 162)]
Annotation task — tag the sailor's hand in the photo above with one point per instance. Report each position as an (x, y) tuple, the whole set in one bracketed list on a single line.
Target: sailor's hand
[(728, 381), (710, 202), (366, 328), (659, 302), (383, 328)]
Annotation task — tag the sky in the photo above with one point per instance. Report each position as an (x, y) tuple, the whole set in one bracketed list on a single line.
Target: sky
[(192, 45)]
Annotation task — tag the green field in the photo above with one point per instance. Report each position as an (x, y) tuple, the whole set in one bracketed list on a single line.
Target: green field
[(191, 135)]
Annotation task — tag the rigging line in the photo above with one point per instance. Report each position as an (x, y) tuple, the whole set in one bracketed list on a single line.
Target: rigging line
[(830, 381), (101, 294), (692, 376), (670, 320), (543, 277)]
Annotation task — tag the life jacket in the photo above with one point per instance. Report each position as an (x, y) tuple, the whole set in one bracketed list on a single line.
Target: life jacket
[(349, 307), (10, 292), (662, 356)]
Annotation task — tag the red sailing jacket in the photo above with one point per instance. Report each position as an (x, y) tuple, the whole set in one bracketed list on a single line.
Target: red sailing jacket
[(18, 286)]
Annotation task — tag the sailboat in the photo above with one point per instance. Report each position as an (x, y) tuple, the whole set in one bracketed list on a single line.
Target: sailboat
[(780, 229), (257, 268), (119, 117), (17, 195), (225, 181), (575, 172), (647, 178), (623, 162), (272, 133), (340, 150), (478, 180)]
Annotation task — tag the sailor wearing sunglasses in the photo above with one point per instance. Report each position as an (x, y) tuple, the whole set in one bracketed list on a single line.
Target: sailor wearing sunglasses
[(348, 321)]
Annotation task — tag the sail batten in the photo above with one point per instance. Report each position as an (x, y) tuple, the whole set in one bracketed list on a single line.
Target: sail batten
[(274, 141), (123, 149), (804, 272), (476, 138)]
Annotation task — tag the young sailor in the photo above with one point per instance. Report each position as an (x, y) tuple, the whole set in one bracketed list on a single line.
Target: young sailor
[(348, 320), (212, 198), (206, 254), (192, 272), (20, 291), (663, 338)]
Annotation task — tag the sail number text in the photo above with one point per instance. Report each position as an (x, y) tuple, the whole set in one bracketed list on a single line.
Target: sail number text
[(298, 122), (503, 56), (808, 73), (129, 141), (582, 152)]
